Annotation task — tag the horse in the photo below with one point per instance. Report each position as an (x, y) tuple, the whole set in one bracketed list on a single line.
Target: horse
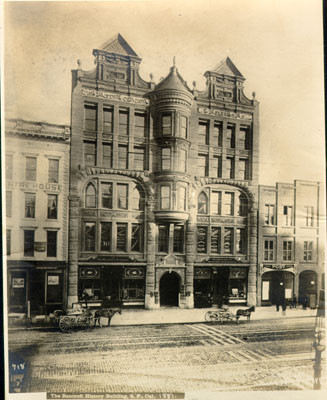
[(244, 313), (106, 313)]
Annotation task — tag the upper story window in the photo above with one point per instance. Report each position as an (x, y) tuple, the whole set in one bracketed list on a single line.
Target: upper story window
[(217, 167), (89, 153), (137, 198), (137, 237), (139, 158), (165, 197), (89, 236), (228, 240), (182, 160), (178, 239), (167, 124), (287, 216), (203, 167), (230, 170), (163, 238), (307, 250), (52, 206), (51, 243), (181, 198), (269, 214), (122, 157), (108, 120), (244, 138), (29, 243), (90, 117), (105, 240), (230, 136), (242, 205), (8, 203), (53, 175), (30, 205), (122, 196), (203, 203), (9, 166), (202, 239), (140, 125), (90, 196), (107, 155), (183, 127), (269, 247), (215, 202), (309, 211), (106, 190), (287, 250), (121, 236), (203, 132), (123, 122), (241, 241), (8, 241), (243, 169), (228, 205), (31, 168), (165, 158)]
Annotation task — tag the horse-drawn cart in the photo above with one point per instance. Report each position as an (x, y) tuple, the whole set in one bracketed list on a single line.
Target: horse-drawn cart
[(224, 315)]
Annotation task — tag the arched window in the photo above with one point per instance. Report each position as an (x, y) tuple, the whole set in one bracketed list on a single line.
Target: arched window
[(203, 203), (90, 196), (242, 205), (137, 198)]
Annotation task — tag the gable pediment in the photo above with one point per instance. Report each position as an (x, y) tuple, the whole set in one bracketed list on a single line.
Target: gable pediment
[(118, 45), (227, 67)]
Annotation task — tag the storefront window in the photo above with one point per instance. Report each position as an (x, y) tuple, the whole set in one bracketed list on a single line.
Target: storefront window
[(237, 284), (89, 236), (133, 289), (215, 239), (137, 233), (228, 240), (121, 236), (105, 236), (202, 242), (54, 288)]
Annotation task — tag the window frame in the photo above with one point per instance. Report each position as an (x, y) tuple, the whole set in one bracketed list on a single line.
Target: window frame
[(287, 250), (162, 198), (53, 173), (105, 156), (29, 250), (106, 196), (269, 252), (203, 137), (90, 158), (92, 239), (166, 128), (205, 158), (49, 212), (308, 250), (91, 124), (52, 251), (30, 208), (123, 125), (108, 125), (269, 214), (30, 173), (107, 248)]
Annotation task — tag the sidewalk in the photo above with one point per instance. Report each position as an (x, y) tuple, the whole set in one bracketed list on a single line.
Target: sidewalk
[(174, 316)]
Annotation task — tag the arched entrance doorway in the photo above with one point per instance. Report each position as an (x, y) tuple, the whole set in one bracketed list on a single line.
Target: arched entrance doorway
[(169, 289), (277, 286), (308, 288)]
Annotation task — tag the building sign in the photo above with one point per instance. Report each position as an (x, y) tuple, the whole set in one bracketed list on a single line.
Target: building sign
[(89, 273), (40, 246), (53, 280), (114, 96), (237, 273), (278, 267), (134, 273), (34, 186), (202, 273), (18, 283), (227, 114)]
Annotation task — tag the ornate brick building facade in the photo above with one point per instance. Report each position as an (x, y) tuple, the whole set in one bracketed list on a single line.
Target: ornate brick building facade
[(163, 185)]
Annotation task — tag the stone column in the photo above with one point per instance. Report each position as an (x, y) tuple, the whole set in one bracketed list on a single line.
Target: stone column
[(190, 252), (73, 250), (150, 289), (252, 277)]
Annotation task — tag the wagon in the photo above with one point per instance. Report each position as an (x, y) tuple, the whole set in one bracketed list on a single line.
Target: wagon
[(220, 315)]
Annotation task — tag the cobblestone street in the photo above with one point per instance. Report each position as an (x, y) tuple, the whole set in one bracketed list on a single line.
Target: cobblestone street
[(172, 357)]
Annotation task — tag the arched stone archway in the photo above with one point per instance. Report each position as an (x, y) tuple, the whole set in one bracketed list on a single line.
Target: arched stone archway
[(169, 289), (308, 284)]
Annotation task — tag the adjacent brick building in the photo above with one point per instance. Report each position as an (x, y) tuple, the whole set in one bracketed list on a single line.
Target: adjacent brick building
[(163, 185), (37, 175)]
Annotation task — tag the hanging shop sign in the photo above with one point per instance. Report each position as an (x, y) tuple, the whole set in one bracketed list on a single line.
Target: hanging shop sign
[(278, 267), (18, 283), (40, 246), (134, 273), (89, 273)]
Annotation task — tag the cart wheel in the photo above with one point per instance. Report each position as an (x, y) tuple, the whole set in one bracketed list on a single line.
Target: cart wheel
[(210, 316), (65, 324)]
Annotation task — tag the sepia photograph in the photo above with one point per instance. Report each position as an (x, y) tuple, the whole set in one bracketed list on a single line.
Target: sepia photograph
[(163, 199)]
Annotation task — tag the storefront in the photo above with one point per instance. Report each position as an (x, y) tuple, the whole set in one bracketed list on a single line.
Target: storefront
[(308, 284), (277, 284), (120, 284)]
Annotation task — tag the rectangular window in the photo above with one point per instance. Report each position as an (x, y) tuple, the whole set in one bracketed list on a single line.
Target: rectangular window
[(242, 205), (181, 160), (269, 214), (140, 125), (287, 216), (218, 134), (122, 196), (108, 119), (308, 250), (230, 136), (123, 122), (183, 127), (122, 157), (8, 241), (241, 242), (215, 203), (107, 155), (139, 158), (30, 205), (137, 236), (53, 175), (230, 168), (165, 197), (287, 250), (89, 154), (269, 250), (163, 239), (203, 132), (29, 243), (215, 239), (228, 206), (90, 115), (106, 191), (51, 243), (243, 138), (9, 166), (308, 215), (216, 168), (31, 168), (121, 237), (202, 239), (181, 198), (166, 124), (89, 236), (203, 165), (165, 158), (105, 244), (178, 239), (52, 206), (243, 169), (228, 240), (8, 203)]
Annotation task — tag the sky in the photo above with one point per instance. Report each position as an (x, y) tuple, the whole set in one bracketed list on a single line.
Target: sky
[(276, 44)]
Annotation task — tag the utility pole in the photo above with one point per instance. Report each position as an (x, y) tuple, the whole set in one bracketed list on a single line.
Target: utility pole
[(319, 341)]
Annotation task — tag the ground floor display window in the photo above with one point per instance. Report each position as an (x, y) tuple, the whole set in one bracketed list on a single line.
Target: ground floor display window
[(203, 295), (308, 292), (277, 287), (17, 291), (237, 285)]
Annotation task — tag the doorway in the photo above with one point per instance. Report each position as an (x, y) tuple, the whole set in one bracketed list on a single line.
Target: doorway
[(169, 289)]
